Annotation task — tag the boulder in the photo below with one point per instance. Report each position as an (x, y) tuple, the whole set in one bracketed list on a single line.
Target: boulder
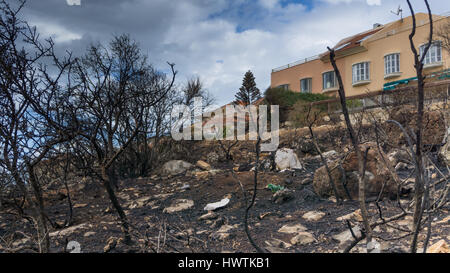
[(175, 167), (345, 172), (285, 158)]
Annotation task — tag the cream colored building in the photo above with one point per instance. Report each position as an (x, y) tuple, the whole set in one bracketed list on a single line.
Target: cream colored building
[(367, 60)]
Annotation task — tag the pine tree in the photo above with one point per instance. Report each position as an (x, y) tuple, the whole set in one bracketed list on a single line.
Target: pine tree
[(248, 93)]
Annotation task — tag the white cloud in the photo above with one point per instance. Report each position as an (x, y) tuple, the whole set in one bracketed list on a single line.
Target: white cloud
[(73, 2), (268, 4), (373, 2), (210, 46), (59, 33)]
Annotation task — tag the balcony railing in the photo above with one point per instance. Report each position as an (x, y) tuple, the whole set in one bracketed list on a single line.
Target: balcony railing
[(301, 61)]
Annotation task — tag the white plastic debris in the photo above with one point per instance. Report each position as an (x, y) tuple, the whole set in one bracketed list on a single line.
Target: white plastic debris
[(213, 206)]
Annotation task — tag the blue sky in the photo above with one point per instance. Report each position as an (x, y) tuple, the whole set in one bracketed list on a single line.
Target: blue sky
[(218, 40)]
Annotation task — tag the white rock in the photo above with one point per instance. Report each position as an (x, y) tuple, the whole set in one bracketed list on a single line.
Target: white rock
[(313, 215), (285, 158), (346, 236), (373, 247), (302, 238), (213, 206), (179, 205), (291, 229)]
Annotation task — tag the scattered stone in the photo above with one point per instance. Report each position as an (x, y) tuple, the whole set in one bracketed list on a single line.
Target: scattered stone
[(213, 206), (303, 238), (224, 232), (139, 203), (67, 231), (211, 215), (175, 167), (433, 176), (77, 206), (282, 196), (313, 216), (373, 247), (201, 175), (89, 233), (203, 165), (269, 215), (439, 247), (356, 215), (285, 158), (179, 205), (110, 244), (20, 242), (277, 243), (346, 236), (291, 229)]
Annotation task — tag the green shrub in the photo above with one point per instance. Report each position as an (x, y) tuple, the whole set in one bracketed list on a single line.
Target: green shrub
[(354, 103), (289, 100)]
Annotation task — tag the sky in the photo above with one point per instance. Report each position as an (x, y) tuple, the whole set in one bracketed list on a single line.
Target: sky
[(217, 40)]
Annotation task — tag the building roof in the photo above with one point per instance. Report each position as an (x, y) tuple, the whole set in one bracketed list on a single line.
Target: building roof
[(351, 42)]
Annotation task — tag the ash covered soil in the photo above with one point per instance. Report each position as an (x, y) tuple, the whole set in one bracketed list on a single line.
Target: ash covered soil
[(166, 213), (96, 227)]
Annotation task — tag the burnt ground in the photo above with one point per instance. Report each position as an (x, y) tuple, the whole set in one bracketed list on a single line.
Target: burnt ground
[(95, 223)]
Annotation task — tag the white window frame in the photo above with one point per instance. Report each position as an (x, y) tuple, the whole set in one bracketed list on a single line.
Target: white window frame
[(434, 54), (360, 72), (391, 64), (333, 85), (309, 83)]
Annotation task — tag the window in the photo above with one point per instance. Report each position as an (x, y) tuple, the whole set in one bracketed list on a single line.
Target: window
[(391, 63), (305, 85), (360, 72), (434, 54), (329, 80), (284, 86)]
